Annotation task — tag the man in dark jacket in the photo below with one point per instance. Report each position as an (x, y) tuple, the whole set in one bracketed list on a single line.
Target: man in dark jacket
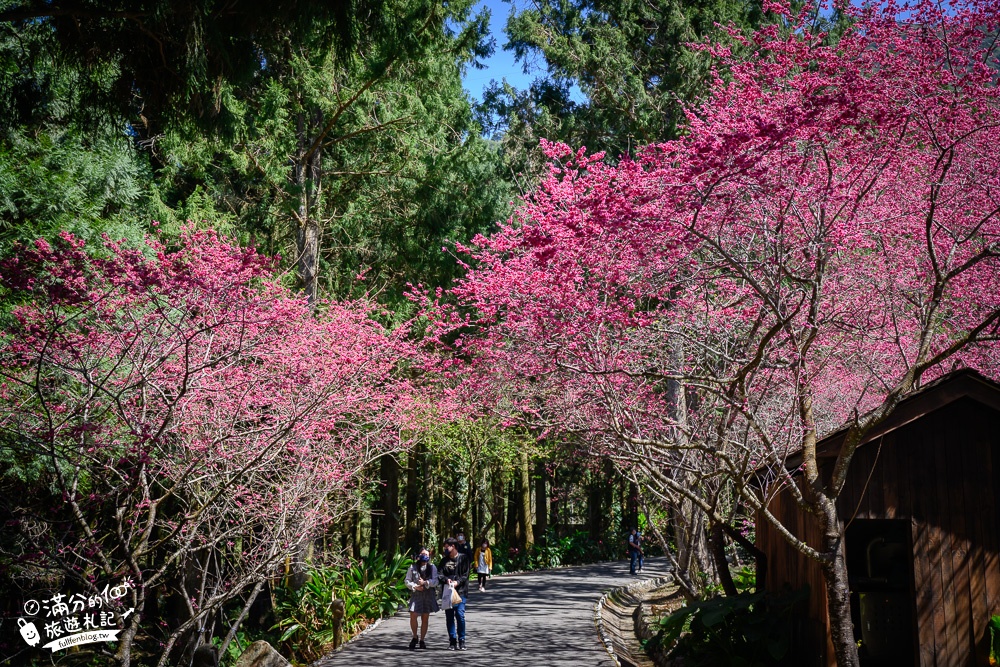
[(454, 570), (464, 547)]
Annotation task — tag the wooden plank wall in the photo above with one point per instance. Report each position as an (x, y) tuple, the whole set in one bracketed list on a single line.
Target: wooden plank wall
[(787, 567), (941, 473)]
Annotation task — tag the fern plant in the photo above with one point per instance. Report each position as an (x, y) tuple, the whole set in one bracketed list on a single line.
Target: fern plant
[(372, 588)]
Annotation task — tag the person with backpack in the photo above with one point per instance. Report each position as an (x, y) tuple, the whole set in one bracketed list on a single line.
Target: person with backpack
[(634, 550)]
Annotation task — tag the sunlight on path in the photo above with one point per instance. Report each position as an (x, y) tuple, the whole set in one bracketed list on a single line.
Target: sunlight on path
[(537, 619)]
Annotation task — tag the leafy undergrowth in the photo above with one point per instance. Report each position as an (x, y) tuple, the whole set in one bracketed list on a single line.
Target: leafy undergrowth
[(304, 631), (745, 630), (578, 548)]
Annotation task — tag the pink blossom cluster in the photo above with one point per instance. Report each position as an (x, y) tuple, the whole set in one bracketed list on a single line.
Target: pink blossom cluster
[(825, 234), (186, 409)]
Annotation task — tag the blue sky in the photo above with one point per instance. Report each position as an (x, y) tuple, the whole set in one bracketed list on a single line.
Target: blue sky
[(501, 64)]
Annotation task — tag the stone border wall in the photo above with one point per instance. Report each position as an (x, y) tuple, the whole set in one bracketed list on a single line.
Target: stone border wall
[(615, 621)]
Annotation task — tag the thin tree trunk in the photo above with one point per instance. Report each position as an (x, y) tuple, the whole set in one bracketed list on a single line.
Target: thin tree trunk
[(555, 503), (524, 499), (691, 539), (838, 592), (434, 512), (541, 502), (357, 536), (475, 530), (465, 507), (498, 502), (243, 614), (374, 522), (607, 484), (306, 175), (124, 653)]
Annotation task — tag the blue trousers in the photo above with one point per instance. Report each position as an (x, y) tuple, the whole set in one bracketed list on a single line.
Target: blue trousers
[(457, 611), (633, 559)]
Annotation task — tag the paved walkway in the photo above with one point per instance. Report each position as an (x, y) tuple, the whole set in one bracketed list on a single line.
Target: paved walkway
[(538, 619)]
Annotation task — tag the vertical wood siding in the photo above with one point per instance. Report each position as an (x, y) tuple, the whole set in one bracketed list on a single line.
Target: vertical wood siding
[(939, 472)]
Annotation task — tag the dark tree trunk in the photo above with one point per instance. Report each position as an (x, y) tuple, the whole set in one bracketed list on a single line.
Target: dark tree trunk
[(555, 504), (357, 536), (691, 541), (595, 511), (389, 524), (607, 483), (718, 546), (541, 503), (499, 503), (435, 510), (124, 654), (413, 485), (631, 507), (511, 527), (476, 526), (374, 523)]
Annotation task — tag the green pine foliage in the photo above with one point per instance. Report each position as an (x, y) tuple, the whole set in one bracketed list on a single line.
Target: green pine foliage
[(402, 168), (616, 74)]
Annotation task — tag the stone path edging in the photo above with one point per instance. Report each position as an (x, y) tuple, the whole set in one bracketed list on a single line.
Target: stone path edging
[(631, 590)]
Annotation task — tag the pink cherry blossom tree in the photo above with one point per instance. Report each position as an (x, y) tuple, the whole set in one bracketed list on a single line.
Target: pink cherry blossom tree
[(193, 423), (824, 237)]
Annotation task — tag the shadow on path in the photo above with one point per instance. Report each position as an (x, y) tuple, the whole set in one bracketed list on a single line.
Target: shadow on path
[(538, 619)]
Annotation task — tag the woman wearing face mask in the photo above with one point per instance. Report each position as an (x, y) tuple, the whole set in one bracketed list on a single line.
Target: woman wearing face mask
[(482, 560), (421, 579)]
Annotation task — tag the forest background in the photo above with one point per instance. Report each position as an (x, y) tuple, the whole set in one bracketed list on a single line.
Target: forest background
[(171, 142), (338, 137)]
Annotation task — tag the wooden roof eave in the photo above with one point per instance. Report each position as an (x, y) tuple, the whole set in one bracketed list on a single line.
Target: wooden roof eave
[(964, 383)]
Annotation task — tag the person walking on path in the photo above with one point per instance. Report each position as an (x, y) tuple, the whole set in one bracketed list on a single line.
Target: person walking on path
[(454, 571), (482, 559), (421, 579), (634, 550), (638, 543), (463, 547)]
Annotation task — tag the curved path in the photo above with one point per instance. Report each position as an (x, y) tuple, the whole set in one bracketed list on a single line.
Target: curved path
[(537, 619)]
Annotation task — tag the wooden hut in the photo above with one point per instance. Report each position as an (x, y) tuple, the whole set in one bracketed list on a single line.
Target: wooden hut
[(921, 508)]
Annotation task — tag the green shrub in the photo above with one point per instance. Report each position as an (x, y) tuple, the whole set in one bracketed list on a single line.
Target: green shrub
[(745, 579), (994, 626), (746, 630), (575, 549), (371, 589)]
